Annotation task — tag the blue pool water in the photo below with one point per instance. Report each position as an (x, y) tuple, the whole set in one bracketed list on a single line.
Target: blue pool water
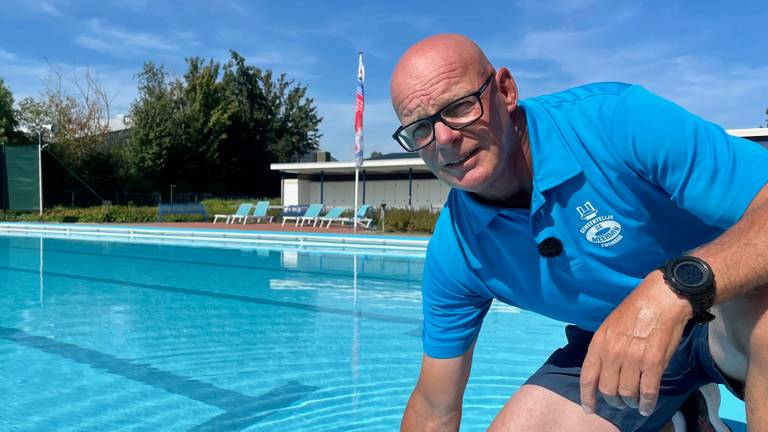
[(124, 336)]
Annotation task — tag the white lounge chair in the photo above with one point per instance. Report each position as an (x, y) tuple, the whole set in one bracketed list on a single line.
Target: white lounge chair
[(333, 214), (362, 218), (241, 213), (260, 212), (310, 215)]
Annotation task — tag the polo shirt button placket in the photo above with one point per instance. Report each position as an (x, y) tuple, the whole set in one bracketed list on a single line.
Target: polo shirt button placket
[(536, 226)]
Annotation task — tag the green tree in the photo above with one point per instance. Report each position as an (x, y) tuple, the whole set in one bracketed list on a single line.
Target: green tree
[(218, 129), (7, 118), (206, 111), (178, 126), (33, 114), (296, 127), (274, 122), (154, 120)]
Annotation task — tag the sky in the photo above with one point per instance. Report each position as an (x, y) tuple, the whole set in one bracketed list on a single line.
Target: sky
[(708, 56)]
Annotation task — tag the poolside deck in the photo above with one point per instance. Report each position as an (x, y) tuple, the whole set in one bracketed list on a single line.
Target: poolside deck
[(272, 227)]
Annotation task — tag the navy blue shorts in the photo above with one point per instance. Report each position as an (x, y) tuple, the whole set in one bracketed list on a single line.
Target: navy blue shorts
[(690, 368)]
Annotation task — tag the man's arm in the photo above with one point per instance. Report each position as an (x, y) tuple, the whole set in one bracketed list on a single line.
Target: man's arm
[(435, 404), (739, 257), (630, 351)]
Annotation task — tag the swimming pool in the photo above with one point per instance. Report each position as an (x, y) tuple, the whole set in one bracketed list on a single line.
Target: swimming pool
[(101, 335)]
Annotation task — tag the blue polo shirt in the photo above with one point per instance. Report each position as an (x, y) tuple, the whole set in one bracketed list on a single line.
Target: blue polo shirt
[(623, 178)]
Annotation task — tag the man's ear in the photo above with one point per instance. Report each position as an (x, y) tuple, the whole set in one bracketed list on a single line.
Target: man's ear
[(507, 88)]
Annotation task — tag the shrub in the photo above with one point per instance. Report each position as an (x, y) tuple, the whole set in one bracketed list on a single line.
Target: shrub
[(216, 206), (403, 220), (395, 220)]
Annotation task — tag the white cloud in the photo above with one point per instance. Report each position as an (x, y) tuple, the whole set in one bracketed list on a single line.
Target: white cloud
[(117, 122), (132, 5), (47, 7), (110, 39), (557, 6), (568, 6), (26, 77), (7, 55), (339, 133), (565, 7), (730, 94), (287, 57), (235, 6)]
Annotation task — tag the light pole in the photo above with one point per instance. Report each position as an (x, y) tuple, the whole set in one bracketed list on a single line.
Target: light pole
[(172, 186), (40, 161), (40, 167)]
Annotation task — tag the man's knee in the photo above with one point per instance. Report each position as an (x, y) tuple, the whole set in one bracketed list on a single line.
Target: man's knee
[(740, 334), (531, 408), (758, 338)]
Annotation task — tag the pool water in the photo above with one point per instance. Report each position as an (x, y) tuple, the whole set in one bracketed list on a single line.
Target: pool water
[(124, 336)]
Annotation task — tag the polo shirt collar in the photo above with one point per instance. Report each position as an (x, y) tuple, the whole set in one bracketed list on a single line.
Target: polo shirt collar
[(553, 164), (479, 213)]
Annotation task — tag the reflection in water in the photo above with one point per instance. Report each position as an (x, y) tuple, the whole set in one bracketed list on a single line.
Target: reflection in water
[(41, 272), (355, 357), (289, 259)]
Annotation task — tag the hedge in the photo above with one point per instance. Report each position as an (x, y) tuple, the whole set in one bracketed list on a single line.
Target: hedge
[(396, 220)]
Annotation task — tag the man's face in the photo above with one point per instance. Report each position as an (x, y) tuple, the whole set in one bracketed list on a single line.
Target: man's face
[(475, 158)]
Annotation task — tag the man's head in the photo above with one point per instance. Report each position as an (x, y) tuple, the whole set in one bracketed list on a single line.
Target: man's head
[(474, 146)]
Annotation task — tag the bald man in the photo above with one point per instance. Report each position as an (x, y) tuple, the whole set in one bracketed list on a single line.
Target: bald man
[(606, 207)]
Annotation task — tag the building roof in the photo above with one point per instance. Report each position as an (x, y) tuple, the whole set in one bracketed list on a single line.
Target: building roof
[(370, 166), (403, 162), (749, 133), (400, 155)]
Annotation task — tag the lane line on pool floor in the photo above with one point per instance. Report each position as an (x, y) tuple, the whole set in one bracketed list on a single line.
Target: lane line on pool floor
[(240, 410)]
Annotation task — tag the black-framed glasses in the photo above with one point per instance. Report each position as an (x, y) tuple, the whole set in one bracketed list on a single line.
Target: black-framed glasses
[(456, 115)]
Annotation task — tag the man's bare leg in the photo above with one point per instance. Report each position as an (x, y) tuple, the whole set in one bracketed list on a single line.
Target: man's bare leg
[(534, 408), (738, 341)]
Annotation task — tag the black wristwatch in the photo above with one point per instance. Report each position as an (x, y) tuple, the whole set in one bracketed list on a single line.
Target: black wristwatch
[(693, 279)]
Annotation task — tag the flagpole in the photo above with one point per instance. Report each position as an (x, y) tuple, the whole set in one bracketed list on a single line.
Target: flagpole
[(359, 107), (354, 222)]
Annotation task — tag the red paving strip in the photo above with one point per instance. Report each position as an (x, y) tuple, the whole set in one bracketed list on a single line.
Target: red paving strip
[(272, 227)]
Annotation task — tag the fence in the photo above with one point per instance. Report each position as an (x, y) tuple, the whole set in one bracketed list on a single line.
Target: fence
[(19, 179)]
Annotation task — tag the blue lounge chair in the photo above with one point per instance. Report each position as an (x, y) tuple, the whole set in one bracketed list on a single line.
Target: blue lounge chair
[(333, 214), (241, 213), (362, 218), (260, 212), (311, 215)]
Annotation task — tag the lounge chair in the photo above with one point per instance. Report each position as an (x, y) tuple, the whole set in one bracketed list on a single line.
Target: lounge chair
[(260, 212), (362, 219), (241, 213), (333, 214), (311, 215)]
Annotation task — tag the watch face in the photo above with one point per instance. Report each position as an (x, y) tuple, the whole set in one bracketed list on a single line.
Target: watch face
[(690, 274)]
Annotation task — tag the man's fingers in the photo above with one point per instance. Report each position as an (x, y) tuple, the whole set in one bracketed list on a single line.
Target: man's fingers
[(609, 384), (590, 373), (629, 385), (649, 391)]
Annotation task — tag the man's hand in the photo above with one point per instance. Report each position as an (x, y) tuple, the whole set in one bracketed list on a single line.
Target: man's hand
[(633, 346)]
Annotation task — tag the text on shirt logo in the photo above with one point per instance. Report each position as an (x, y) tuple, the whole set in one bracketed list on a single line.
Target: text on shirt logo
[(602, 230)]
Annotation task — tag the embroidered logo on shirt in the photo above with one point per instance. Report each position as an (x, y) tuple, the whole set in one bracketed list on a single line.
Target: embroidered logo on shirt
[(602, 230)]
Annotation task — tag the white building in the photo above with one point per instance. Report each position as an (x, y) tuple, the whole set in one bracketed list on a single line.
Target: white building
[(399, 180)]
